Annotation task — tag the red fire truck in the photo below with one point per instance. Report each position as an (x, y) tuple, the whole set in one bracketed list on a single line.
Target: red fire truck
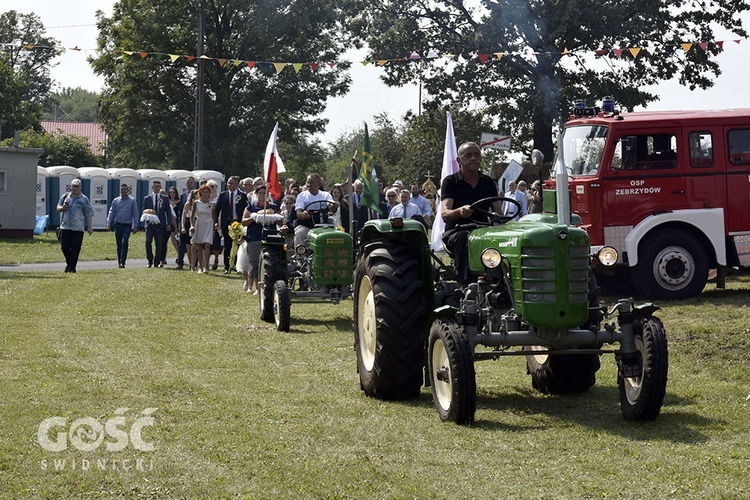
[(670, 190)]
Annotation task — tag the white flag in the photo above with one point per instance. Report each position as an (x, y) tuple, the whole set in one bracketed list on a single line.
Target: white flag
[(450, 166), (273, 166)]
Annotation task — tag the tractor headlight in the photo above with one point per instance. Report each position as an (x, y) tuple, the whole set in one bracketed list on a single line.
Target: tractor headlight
[(300, 250), (607, 256), (491, 258)]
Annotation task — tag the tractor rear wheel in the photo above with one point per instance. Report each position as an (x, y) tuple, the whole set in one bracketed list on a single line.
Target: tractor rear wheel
[(389, 317), (452, 376), (568, 373), (562, 373)]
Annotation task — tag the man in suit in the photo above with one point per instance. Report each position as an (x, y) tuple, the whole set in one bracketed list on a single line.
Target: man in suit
[(184, 197), (354, 199), (158, 233), (229, 207)]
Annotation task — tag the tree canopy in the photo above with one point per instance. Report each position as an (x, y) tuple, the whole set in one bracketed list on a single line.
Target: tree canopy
[(63, 149), (541, 55), (24, 74), (148, 103), (72, 104)]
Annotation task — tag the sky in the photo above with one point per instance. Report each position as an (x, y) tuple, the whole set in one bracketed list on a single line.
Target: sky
[(73, 23)]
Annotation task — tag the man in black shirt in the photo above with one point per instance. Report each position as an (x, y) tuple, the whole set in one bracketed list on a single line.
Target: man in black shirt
[(458, 191)]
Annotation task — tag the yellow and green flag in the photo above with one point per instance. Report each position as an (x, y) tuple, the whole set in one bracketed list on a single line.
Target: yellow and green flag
[(371, 192)]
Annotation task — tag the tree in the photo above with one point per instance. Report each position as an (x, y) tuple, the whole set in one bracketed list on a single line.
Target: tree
[(301, 158), (72, 104), (385, 145), (530, 88), (25, 58), (148, 103), (59, 150), (423, 141)]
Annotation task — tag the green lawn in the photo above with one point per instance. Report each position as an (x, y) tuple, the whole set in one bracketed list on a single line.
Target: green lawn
[(98, 246), (243, 410)]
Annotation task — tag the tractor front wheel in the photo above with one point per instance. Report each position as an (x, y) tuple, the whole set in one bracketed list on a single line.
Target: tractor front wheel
[(452, 376), (281, 306), (269, 272), (641, 397)]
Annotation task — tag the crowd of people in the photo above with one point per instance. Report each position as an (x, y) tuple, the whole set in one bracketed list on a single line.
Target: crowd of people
[(204, 224)]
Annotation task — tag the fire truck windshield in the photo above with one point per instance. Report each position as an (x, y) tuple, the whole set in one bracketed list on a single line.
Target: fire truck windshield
[(583, 147)]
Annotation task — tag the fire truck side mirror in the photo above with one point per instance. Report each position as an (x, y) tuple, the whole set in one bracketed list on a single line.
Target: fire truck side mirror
[(537, 158)]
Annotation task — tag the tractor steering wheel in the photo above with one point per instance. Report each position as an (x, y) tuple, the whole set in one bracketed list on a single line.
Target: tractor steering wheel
[(492, 217), (319, 215)]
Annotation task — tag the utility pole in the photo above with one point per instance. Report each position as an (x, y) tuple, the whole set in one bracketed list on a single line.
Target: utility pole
[(199, 93)]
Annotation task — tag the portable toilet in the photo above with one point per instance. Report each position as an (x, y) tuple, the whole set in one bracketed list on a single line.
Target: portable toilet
[(145, 177), (119, 176), (42, 192), (96, 187), (178, 178), (59, 184), (209, 174)]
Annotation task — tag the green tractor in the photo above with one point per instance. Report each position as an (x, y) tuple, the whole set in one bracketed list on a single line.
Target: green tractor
[(320, 270), (535, 296)]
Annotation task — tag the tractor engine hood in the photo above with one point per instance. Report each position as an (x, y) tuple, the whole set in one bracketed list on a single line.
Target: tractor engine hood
[(548, 267)]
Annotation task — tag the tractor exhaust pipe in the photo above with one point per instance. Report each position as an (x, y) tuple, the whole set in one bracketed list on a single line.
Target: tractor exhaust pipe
[(563, 189)]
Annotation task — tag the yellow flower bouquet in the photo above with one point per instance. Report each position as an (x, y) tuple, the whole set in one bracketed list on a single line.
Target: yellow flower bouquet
[(235, 233)]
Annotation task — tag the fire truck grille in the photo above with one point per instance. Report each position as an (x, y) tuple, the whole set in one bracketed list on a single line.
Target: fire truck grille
[(541, 278)]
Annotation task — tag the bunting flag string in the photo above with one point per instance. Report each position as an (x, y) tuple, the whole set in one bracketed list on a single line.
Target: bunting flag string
[(482, 58)]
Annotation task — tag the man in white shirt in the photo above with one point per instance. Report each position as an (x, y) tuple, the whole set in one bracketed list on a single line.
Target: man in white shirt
[(305, 206), (517, 195), (421, 202), (406, 209)]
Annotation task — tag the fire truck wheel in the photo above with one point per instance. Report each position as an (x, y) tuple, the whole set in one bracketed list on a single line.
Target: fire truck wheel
[(641, 397), (672, 265), (563, 373), (269, 272), (389, 314), (281, 306), (452, 376)]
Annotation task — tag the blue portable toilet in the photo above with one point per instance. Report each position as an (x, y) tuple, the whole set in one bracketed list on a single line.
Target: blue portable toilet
[(178, 178), (208, 175), (42, 192), (119, 176), (59, 184), (95, 184)]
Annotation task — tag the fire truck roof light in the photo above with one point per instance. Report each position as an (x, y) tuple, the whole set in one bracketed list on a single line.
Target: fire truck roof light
[(608, 105)]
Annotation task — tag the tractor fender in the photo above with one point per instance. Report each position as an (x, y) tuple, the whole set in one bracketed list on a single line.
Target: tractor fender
[(445, 311)]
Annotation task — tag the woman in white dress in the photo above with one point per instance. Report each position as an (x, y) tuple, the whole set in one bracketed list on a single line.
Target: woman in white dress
[(202, 227)]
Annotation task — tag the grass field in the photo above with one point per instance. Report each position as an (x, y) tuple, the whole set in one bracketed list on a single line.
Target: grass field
[(243, 410), (98, 246)]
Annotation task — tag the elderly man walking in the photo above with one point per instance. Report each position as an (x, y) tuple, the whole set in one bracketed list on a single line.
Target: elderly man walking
[(76, 216)]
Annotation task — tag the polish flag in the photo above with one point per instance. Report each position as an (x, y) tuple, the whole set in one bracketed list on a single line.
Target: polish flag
[(273, 166)]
